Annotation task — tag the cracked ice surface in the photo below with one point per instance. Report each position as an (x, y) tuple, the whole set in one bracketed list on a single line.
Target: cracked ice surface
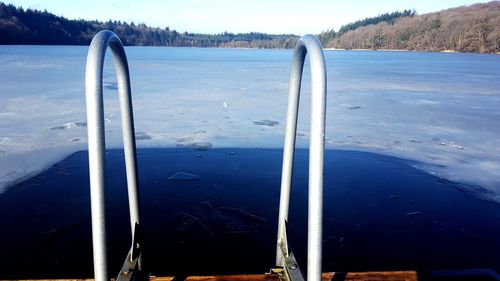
[(437, 110)]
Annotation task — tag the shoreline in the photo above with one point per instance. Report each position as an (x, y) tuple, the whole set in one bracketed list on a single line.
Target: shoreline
[(255, 48), (405, 50)]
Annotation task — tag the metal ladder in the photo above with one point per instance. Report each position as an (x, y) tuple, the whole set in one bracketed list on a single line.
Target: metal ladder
[(285, 259), (97, 160), (132, 267)]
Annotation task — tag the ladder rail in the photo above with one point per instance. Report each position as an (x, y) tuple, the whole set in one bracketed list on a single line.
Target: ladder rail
[(96, 141), (306, 45)]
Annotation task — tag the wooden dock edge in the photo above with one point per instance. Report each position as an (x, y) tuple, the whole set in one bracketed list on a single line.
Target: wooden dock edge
[(351, 276)]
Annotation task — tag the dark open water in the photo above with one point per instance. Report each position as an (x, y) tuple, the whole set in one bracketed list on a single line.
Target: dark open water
[(380, 213)]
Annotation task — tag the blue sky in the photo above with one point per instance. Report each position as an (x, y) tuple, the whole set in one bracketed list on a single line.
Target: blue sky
[(215, 16)]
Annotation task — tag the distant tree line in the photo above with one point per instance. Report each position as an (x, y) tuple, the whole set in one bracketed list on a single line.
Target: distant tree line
[(387, 17), (329, 35), (19, 26), (474, 28)]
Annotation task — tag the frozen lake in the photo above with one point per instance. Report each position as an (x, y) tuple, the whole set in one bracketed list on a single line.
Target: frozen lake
[(438, 110)]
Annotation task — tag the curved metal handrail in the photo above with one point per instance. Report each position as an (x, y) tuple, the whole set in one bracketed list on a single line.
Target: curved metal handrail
[(310, 45), (96, 141)]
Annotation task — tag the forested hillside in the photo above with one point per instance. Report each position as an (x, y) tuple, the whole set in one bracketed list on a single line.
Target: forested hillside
[(19, 26), (474, 28)]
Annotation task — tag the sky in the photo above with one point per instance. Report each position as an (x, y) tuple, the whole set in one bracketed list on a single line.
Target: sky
[(215, 16)]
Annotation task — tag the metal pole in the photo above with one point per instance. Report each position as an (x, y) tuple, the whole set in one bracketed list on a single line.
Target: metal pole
[(289, 145), (308, 44), (96, 140)]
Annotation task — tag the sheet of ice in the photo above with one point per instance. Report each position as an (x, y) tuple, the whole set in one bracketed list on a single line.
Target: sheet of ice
[(438, 110)]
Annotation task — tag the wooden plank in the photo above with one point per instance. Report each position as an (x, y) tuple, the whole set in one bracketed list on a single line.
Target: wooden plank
[(382, 276), (47, 279), (241, 277), (154, 278), (351, 276), (327, 276)]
